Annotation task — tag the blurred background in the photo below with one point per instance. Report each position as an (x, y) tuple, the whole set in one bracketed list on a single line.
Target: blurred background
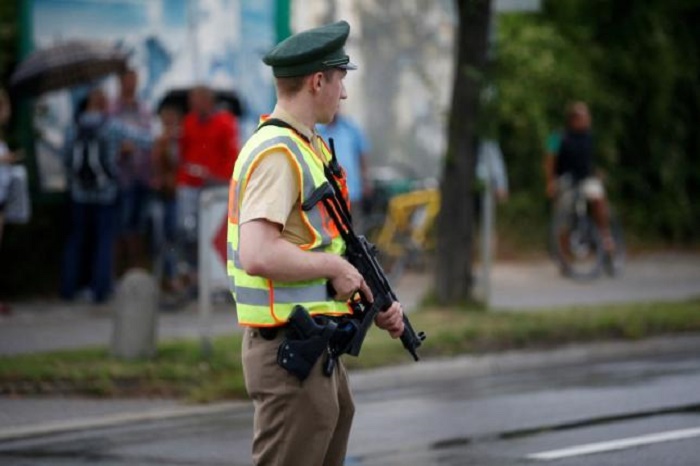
[(636, 69), (528, 170)]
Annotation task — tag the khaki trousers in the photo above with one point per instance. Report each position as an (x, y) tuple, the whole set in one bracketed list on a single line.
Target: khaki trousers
[(295, 423)]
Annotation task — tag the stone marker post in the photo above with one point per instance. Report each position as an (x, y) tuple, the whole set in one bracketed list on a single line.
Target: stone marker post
[(135, 316)]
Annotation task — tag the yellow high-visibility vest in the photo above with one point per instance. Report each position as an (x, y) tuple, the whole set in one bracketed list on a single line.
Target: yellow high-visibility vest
[(261, 302)]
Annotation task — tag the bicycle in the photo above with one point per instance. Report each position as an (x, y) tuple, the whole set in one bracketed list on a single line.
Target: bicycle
[(172, 261), (575, 240), (175, 259), (404, 234)]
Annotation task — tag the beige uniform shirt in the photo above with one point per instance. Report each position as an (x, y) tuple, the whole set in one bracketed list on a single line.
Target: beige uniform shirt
[(272, 192)]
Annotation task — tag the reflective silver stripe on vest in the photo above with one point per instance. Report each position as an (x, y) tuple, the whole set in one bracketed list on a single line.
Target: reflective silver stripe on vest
[(314, 215), (233, 256), (259, 297)]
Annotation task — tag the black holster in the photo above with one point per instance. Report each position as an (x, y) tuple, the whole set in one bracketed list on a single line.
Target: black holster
[(305, 341)]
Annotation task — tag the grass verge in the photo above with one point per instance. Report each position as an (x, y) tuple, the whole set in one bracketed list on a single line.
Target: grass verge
[(181, 371)]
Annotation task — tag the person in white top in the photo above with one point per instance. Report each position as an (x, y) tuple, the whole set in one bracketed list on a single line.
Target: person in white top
[(7, 158)]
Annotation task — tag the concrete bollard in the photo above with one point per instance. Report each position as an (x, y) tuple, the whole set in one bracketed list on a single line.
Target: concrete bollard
[(135, 316)]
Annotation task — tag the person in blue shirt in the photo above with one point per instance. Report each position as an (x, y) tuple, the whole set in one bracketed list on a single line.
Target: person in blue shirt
[(490, 166), (351, 148)]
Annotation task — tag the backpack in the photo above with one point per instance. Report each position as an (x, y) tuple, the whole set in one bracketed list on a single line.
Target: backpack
[(91, 170)]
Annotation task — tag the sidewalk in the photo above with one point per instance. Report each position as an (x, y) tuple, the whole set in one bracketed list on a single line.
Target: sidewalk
[(520, 286), (52, 325), (649, 277)]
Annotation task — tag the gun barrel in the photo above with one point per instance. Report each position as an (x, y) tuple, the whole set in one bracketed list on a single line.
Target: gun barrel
[(410, 340)]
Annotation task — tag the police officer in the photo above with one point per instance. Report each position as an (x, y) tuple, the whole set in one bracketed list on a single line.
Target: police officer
[(281, 255)]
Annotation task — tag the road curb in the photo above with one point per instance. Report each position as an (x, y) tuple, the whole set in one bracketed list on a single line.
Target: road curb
[(113, 420), (397, 377), (514, 361)]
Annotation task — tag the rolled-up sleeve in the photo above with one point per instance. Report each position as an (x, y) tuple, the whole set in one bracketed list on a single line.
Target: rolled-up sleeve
[(272, 190)]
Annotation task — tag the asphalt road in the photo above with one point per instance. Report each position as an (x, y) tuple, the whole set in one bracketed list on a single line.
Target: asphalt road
[(453, 420)]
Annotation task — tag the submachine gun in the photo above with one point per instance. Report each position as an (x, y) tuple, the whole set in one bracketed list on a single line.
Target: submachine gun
[(363, 255)]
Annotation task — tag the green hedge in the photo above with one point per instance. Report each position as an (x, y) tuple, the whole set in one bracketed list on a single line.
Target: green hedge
[(637, 68)]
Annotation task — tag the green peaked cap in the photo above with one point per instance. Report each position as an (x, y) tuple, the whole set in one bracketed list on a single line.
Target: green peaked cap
[(310, 51)]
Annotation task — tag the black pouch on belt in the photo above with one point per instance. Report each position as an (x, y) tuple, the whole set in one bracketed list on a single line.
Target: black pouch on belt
[(305, 341)]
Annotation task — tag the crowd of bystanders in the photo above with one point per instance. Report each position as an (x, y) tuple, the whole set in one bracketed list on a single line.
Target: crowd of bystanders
[(133, 193)]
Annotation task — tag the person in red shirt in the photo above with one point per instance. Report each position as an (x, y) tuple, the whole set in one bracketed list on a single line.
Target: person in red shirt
[(209, 143), (208, 150)]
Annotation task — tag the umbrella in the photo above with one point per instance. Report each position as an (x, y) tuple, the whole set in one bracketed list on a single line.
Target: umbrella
[(65, 65), (225, 99)]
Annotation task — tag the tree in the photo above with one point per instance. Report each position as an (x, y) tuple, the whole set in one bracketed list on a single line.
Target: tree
[(455, 224), (9, 16), (406, 56), (637, 69)]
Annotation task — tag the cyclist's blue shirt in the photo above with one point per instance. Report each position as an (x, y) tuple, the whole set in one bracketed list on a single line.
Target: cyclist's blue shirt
[(554, 143)]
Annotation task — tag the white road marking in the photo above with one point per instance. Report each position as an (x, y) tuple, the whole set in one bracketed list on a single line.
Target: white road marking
[(613, 445)]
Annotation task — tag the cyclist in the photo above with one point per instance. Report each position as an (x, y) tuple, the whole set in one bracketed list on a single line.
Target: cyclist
[(570, 162)]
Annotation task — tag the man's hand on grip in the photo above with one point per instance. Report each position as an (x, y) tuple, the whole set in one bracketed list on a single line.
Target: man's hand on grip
[(347, 281), (391, 320)]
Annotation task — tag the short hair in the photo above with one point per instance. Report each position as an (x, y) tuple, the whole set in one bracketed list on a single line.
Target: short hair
[(576, 108), (169, 107), (204, 91), (291, 86), (128, 72), (96, 95)]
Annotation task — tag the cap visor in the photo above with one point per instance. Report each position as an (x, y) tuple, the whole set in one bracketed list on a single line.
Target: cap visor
[(348, 66)]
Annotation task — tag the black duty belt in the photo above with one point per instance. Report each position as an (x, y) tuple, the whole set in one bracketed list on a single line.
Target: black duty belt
[(270, 333)]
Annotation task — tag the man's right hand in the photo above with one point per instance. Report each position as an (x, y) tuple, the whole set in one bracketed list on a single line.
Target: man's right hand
[(346, 281)]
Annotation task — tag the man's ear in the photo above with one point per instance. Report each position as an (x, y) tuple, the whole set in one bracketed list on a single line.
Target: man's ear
[(315, 82)]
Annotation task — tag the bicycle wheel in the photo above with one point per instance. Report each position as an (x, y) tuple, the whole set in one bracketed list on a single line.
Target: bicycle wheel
[(577, 245)]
